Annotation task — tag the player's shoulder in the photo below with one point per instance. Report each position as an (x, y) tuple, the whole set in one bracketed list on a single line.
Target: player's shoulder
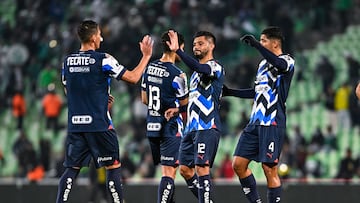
[(287, 57)]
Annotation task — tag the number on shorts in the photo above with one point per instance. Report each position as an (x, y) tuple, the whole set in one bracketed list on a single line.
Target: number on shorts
[(271, 146), (201, 148)]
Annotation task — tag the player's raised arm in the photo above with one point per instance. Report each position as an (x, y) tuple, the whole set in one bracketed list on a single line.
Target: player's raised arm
[(188, 60), (267, 54), (146, 46)]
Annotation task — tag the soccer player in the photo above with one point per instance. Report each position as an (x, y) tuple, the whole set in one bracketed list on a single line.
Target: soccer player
[(357, 91), (165, 92), (199, 145), (86, 75), (262, 138)]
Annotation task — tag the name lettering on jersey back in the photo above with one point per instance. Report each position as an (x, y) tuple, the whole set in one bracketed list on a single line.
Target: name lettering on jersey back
[(83, 119), (159, 72), (79, 64), (80, 61), (155, 80)]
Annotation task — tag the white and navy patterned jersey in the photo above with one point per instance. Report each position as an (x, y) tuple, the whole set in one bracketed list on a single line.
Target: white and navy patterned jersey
[(271, 90), (165, 84), (204, 98), (86, 77)]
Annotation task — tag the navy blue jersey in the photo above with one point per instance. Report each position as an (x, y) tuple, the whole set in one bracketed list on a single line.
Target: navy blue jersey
[(165, 84), (271, 90), (204, 98), (86, 76)]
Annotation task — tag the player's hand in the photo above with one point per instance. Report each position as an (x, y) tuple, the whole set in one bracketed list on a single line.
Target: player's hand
[(248, 39), (146, 45), (173, 43), (110, 101), (171, 112)]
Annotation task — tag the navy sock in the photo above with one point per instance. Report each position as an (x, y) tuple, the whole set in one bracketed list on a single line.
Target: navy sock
[(193, 185), (166, 190), (65, 184), (204, 189), (249, 187), (114, 185), (273, 195)]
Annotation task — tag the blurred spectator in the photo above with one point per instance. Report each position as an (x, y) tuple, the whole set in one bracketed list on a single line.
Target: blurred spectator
[(139, 113), (347, 168), (25, 154), (52, 105), (19, 108), (313, 165), (354, 109), (2, 159), (224, 111), (330, 139), (146, 169), (45, 153), (317, 141), (325, 70), (353, 68), (226, 170), (128, 167), (330, 106), (342, 96), (244, 120), (298, 148), (343, 8), (46, 76)]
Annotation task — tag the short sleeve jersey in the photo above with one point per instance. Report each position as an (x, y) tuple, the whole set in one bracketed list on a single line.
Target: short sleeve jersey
[(204, 98), (165, 84), (86, 76), (271, 91)]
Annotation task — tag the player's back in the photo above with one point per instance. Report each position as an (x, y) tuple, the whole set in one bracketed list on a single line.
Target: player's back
[(87, 91), (165, 85)]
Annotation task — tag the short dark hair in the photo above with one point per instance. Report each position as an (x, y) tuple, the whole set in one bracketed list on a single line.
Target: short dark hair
[(86, 29), (165, 37), (273, 32), (208, 35)]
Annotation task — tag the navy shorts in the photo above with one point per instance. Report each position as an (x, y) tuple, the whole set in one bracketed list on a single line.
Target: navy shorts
[(103, 147), (165, 143), (165, 150), (199, 148), (261, 143)]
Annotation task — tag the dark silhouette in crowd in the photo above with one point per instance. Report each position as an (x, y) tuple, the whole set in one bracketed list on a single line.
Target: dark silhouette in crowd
[(25, 154), (347, 167), (353, 67), (298, 147), (331, 142), (128, 166), (326, 72)]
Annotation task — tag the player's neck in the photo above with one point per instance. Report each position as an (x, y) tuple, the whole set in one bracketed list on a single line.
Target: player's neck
[(205, 59), (168, 57), (87, 47)]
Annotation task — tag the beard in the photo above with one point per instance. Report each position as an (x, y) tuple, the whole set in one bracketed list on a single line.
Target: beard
[(199, 54)]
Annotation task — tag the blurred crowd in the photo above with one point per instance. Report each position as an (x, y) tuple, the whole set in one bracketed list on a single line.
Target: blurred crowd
[(36, 34)]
